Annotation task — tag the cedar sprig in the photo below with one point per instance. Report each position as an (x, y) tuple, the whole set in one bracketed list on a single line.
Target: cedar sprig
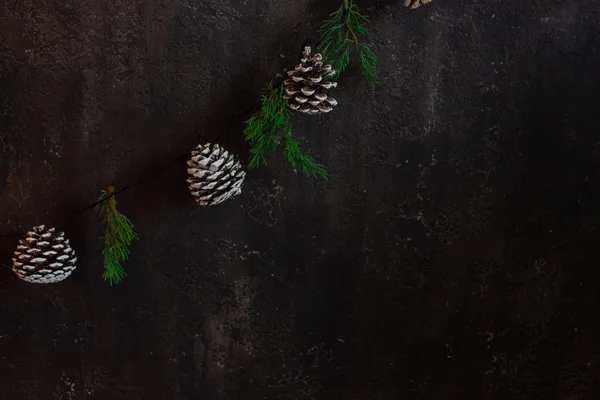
[(339, 39), (118, 235), (271, 126)]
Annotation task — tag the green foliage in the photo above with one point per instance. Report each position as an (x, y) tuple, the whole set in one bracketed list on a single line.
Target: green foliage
[(264, 127), (368, 62), (296, 158), (272, 125), (118, 235), (339, 39)]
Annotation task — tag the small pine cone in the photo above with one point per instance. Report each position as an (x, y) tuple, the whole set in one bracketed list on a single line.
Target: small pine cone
[(416, 3), (44, 256), (305, 85), (215, 175)]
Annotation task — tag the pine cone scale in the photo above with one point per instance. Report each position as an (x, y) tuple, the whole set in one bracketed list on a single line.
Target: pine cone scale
[(415, 3)]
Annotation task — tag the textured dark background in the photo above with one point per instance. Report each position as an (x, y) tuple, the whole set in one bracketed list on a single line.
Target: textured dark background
[(453, 254)]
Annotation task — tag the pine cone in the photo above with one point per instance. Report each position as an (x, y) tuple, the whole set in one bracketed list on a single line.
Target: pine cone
[(44, 256), (216, 175), (305, 83), (416, 3)]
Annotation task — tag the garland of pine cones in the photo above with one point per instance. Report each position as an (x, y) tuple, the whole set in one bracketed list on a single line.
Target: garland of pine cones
[(216, 175)]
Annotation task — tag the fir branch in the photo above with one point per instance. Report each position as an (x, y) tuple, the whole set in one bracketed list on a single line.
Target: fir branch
[(272, 125), (118, 235), (294, 156), (339, 38), (368, 62), (264, 128)]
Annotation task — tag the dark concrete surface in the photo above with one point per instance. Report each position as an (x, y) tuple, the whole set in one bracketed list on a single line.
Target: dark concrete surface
[(453, 254)]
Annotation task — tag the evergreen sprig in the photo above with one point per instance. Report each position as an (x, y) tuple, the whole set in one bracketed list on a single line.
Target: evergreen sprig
[(118, 235), (339, 39), (271, 126), (294, 156)]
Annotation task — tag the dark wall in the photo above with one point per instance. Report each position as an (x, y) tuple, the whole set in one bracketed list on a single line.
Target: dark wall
[(453, 253)]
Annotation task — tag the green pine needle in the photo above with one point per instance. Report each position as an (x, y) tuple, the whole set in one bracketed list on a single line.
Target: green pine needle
[(296, 158), (118, 235), (339, 38), (368, 62), (272, 125)]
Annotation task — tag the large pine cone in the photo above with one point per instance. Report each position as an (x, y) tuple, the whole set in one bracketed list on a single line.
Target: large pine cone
[(216, 175), (416, 3), (305, 84), (44, 256)]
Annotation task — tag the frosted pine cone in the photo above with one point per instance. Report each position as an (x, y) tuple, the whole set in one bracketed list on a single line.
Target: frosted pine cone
[(416, 3), (44, 256), (215, 175), (305, 85)]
